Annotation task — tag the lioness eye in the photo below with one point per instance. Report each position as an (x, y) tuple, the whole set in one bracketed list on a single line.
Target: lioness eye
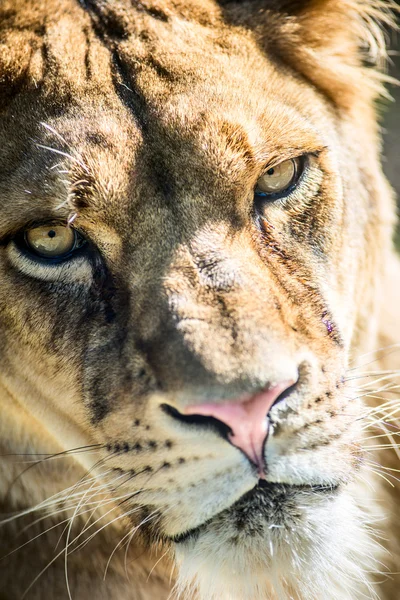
[(51, 241), (280, 178)]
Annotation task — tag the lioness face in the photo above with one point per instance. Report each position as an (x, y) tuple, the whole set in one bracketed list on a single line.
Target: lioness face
[(184, 223)]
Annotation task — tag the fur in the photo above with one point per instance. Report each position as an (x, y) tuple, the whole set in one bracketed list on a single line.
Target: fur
[(145, 126)]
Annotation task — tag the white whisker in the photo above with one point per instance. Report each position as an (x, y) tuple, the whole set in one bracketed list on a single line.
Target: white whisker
[(66, 154)]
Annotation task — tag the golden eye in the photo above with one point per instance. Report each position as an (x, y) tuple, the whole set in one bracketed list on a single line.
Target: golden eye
[(51, 241), (279, 178)]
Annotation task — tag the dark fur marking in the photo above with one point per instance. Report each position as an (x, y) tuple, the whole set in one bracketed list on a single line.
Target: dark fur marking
[(88, 66), (309, 228), (156, 13), (322, 443), (99, 405), (118, 470), (110, 29), (306, 426), (161, 71), (108, 292), (105, 22), (162, 177), (96, 138), (302, 276), (128, 95)]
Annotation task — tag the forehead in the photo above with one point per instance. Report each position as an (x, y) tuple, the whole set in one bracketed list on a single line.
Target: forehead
[(167, 98)]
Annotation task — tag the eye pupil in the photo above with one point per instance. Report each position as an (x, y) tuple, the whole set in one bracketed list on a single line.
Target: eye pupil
[(271, 171), (52, 233)]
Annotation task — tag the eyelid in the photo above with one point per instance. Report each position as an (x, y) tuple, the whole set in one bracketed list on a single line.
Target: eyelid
[(48, 223), (27, 261), (17, 228), (277, 160), (77, 269), (298, 195)]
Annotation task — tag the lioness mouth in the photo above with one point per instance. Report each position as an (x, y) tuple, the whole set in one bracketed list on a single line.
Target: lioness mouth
[(259, 504)]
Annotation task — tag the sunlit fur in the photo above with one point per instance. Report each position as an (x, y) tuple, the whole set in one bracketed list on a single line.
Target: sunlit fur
[(146, 125)]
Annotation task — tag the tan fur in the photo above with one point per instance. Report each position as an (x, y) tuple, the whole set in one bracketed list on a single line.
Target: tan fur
[(147, 124)]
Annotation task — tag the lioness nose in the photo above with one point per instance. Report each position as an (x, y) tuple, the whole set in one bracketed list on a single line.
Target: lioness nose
[(246, 419)]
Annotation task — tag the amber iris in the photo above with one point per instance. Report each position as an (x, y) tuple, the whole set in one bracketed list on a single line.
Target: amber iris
[(51, 241), (279, 178)]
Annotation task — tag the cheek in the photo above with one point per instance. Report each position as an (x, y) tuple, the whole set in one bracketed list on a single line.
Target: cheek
[(115, 376), (43, 333)]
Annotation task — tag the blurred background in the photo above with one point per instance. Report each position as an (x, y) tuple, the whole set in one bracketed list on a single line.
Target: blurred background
[(391, 126)]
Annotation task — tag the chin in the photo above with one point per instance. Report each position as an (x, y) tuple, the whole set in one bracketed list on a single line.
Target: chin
[(280, 542)]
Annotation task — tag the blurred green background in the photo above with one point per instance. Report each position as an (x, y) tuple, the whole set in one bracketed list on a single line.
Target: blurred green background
[(391, 126)]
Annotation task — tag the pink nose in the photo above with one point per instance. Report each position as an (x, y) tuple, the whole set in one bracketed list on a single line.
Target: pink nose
[(247, 420)]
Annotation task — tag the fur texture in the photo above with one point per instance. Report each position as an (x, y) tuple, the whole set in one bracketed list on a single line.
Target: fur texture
[(145, 126)]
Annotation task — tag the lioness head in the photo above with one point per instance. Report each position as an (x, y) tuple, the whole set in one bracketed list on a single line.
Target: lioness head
[(193, 221)]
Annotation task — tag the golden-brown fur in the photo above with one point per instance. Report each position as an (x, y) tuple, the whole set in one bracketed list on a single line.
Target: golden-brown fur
[(146, 125)]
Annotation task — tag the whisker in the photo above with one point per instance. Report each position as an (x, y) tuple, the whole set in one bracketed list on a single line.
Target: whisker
[(155, 565), (66, 154), (48, 457), (58, 524), (154, 514), (56, 498), (392, 348), (67, 542), (382, 476), (121, 516), (114, 551), (112, 488), (381, 378), (63, 140), (371, 462)]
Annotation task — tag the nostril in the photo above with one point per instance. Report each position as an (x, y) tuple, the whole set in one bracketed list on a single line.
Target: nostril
[(287, 392), (243, 422), (205, 422)]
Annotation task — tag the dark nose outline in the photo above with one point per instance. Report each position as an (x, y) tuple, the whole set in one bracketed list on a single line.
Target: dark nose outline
[(243, 421)]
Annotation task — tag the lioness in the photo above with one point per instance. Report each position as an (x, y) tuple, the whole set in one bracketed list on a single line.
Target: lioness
[(196, 275)]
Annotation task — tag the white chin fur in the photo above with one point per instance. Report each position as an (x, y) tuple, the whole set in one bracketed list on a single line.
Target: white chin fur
[(327, 554)]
